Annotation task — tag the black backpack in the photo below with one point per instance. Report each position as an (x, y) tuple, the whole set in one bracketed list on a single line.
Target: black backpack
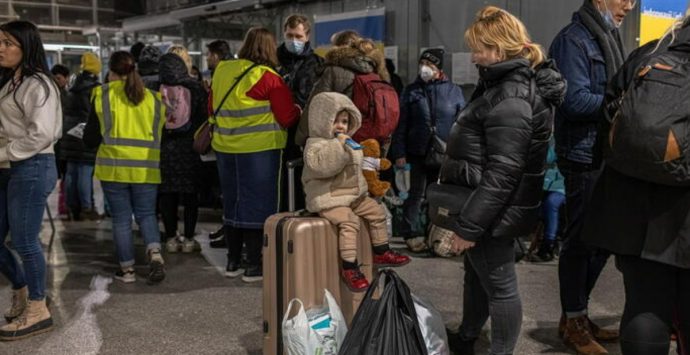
[(649, 134)]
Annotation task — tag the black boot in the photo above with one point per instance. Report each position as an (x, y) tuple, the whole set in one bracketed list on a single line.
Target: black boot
[(459, 346), (546, 250)]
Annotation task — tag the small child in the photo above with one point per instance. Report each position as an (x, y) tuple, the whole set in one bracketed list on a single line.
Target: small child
[(335, 186)]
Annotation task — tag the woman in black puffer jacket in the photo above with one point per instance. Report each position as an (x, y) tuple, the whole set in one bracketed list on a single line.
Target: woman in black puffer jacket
[(497, 148)]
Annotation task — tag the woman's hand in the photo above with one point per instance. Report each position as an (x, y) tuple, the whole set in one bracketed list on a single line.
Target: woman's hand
[(460, 245)]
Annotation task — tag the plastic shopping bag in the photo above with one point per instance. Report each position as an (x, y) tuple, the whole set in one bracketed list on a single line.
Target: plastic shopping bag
[(387, 325), (432, 327), (317, 331)]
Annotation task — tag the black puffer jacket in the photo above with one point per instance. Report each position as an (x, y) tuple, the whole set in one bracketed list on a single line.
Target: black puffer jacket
[(76, 111), (498, 148), (300, 71)]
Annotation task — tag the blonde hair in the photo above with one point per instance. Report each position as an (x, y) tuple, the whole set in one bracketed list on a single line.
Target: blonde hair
[(182, 52), (673, 30), (496, 28)]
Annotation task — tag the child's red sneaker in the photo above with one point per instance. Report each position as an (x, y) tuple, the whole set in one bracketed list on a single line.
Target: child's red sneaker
[(390, 259), (354, 280)]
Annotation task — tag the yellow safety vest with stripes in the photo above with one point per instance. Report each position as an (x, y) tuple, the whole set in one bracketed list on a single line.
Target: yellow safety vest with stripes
[(243, 125), (130, 150)]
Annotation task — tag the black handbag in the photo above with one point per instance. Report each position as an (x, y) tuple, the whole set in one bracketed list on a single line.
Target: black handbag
[(446, 202), (437, 147)]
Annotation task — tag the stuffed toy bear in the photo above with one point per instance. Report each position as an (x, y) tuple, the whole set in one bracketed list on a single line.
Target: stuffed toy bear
[(371, 165)]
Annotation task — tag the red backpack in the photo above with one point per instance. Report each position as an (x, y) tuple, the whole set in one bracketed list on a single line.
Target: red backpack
[(378, 102)]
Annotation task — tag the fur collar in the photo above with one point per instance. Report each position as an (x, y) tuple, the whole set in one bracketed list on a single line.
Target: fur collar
[(356, 60)]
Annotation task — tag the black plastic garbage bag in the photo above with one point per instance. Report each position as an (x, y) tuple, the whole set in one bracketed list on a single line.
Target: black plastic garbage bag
[(387, 325)]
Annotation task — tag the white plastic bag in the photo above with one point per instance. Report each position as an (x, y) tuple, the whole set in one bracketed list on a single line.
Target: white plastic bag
[(432, 327), (317, 331)]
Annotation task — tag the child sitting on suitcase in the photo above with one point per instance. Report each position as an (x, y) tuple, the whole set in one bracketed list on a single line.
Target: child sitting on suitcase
[(335, 186)]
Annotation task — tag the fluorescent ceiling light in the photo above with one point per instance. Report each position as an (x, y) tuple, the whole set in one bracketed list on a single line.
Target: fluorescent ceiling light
[(62, 46)]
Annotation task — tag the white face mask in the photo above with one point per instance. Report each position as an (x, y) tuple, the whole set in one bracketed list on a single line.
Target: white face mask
[(426, 73), (607, 15)]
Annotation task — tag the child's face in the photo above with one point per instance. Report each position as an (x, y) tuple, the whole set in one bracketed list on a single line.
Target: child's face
[(342, 120)]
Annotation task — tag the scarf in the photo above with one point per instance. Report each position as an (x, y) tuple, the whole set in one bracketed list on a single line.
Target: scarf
[(609, 40)]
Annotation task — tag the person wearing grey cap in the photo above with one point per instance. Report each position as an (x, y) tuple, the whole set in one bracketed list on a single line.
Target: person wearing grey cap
[(428, 107)]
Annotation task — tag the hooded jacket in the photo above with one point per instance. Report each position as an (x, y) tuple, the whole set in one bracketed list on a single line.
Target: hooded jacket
[(173, 71), (332, 175), (498, 146), (341, 66), (76, 111)]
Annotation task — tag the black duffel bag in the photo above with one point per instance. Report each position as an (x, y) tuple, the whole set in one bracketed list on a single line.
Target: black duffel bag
[(387, 325)]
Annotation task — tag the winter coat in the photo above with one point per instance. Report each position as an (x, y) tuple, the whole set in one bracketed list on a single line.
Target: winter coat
[(341, 66), (498, 145), (413, 134), (332, 175), (180, 165), (581, 62), (300, 71), (628, 216), (76, 111)]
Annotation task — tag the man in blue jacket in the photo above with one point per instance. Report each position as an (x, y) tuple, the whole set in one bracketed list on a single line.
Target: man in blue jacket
[(432, 102), (588, 51)]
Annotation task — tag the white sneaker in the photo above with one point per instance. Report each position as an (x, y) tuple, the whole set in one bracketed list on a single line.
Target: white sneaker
[(173, 245), (126, 275), (189, 245)]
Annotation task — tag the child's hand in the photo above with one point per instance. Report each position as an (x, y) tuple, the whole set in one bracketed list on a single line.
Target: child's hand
[(342, 137)]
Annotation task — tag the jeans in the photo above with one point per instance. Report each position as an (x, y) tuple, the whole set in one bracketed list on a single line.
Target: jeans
[(655, 295), (420, 178), (552, 204), (579, 266), (168, 203), (30, 183), (491, 290), (78, 181), (123, 199), (9, 266)]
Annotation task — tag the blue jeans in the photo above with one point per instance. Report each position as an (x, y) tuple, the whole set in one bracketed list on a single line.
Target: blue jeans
[(552, 204), (79, 185), (31, 181), (491, 290), (125, 199), (8, 264), (579, 265)]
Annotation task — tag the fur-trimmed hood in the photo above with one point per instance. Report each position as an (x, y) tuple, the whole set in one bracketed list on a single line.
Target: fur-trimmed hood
[(359, 61), (323, 109)]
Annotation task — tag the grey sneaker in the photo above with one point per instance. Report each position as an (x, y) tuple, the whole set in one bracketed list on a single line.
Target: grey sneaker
[(173, 245), (126, 275), (190, 245)]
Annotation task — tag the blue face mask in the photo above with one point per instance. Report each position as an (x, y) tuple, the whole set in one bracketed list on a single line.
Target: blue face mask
[(294, 46), (608, 17)]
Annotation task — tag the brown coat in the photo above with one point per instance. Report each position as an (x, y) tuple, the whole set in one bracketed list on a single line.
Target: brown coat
[(332, 175), (341, 66)]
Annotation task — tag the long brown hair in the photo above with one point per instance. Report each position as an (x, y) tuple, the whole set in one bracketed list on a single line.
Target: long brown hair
[(496, 28), (122, 64), (259, 46)]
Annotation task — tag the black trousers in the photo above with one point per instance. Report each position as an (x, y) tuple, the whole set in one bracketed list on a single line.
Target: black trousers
[(168, 204), (657, 298)]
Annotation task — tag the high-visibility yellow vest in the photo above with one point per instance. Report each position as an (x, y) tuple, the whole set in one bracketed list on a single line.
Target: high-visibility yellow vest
[(243, 125), (130, 150)]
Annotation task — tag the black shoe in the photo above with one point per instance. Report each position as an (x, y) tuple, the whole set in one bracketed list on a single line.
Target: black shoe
[(253, 273), (234, 269), (217, 239), (156, 269), (459, 346), (546, 251)]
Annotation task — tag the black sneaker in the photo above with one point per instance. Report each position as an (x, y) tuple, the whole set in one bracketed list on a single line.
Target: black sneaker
[(253, 273), (156, 268), (217, 239), (127, 275), (234, 269)]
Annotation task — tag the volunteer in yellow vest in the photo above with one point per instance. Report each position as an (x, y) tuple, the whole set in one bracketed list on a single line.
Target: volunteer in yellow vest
[(251, 129), (127, 121)]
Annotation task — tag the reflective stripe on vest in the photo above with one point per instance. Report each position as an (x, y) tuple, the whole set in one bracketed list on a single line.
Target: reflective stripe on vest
[(130, 150), (243, 124)]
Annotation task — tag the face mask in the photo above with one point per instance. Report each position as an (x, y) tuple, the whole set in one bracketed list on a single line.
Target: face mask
[(426, 73), (607, 15), (294, 46)]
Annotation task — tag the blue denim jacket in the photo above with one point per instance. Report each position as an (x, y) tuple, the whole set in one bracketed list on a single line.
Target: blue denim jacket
[(581, 63)]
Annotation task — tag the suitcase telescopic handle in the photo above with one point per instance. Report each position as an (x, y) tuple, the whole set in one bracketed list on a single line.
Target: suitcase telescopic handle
[(291, 165)]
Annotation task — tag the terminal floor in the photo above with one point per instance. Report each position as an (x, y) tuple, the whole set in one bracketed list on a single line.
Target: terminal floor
[(196, 310)]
